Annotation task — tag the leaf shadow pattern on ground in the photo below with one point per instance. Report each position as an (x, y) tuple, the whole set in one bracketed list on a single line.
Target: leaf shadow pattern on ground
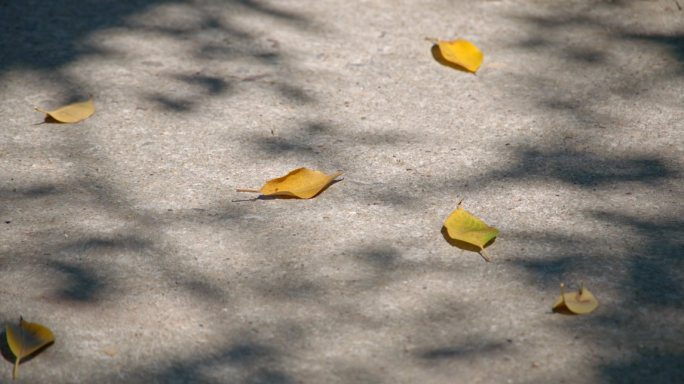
[(575, 96), (82, 283), (653, 283), (652, 366), (383, 263), (47, 37), (247, 361)]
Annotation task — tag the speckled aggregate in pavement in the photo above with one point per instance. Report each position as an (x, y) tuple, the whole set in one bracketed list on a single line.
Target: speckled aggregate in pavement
[(124, 234)]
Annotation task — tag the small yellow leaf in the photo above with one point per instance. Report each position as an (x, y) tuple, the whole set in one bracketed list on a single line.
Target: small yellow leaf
[(463, 226), (25, 339), (302, 183), (460, 52), (581, 303), (72, 113)]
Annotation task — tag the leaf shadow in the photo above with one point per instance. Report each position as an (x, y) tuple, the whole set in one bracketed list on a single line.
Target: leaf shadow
[(7, 354), (563, 310), (287, 197), (437, 55), (462, 244), (51, 120)]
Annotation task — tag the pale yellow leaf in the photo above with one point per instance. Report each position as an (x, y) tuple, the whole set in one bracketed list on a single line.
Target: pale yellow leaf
[(581, 303), (462, 53), (72, 113), (463, 226), (25, 339), (302, 183)]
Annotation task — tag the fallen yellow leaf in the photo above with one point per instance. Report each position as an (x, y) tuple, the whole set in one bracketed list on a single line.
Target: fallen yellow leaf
[(581, 303), (72, 113), (462, 53), (463, 226), (303, 183), (25, 339)]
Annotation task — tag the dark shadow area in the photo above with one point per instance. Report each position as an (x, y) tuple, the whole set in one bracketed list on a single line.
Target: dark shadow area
[(281, 145), (650, 367), (303, 141), (248, 362), (291, 287), (587, 55), (51, 120), (209, 84), (204, 291), (294, 94), (5, 350), (656, 276), (82, 285), (641, 324), (461, 351), (552, 270), (673, 43), (45, 35), (40, 191), (127, 242), (587, 45), (268, 10), (382, 259), (584, 169), (247, 354), (172, 104)]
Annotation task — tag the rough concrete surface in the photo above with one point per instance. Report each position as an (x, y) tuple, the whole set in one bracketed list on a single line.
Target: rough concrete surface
[(125, 236)]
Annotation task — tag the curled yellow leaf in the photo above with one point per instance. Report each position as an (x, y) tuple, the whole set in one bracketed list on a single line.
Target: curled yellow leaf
[(581, 303), (25, 339), (462, 53), (302, 183), (463, 226), (72, 113)]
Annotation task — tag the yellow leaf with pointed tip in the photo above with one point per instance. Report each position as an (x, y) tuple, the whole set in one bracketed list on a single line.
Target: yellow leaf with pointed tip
[(463, 226), (303, 183), (581, 303), (26, 338), (460, 52), (72, 113)]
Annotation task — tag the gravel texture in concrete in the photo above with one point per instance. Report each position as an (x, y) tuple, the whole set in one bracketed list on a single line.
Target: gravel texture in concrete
[(125, 236)]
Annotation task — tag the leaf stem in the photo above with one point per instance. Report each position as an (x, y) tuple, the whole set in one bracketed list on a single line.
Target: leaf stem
[(432, 39), (16, 368), (248, 190), (486, 255)]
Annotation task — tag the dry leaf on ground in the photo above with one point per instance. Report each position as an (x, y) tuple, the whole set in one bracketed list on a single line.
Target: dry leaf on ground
[(25, 339), (303, 183), (463, 226), (462, 53), (72, 113), (581, 303)]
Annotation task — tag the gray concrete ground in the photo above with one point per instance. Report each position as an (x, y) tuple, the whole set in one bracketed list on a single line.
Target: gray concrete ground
[(124, 234)]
